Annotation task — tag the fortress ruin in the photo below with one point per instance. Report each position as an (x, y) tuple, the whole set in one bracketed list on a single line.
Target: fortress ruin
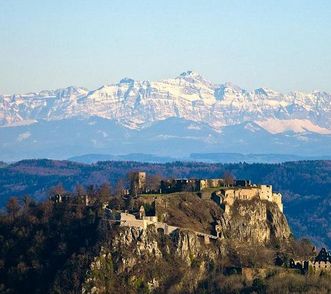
[(125, 219), (321, 263), (217, 189), (226, 196)]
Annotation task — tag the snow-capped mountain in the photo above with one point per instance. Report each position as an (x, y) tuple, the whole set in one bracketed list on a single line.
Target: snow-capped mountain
[(172, 117), (137, 104)]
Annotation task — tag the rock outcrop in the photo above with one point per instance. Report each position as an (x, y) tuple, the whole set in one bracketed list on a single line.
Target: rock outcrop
[(254, 222), (149, 259)]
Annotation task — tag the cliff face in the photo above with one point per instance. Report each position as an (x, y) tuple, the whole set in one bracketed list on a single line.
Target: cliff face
[(250, 221), (147, 259), (138, 259), (254, 222)]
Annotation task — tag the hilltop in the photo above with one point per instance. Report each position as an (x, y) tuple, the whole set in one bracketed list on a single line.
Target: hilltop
[(71, 245), (305, 185)]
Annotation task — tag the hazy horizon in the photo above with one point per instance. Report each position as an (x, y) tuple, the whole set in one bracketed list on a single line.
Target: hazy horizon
[(280, 45)]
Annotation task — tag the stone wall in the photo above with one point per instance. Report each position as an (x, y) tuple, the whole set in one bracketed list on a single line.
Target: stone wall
[(320, 266), (129, 220), (210, 183), (277, 199), (264, 191), (316, 267), (227, 196), (189, 185)]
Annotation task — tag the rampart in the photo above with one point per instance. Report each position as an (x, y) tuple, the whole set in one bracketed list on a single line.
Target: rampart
[(125, 219), (306, 266), (226, 196)]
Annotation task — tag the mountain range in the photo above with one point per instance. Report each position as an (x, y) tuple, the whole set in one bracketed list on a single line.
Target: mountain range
[(172, 117), (197, 157)]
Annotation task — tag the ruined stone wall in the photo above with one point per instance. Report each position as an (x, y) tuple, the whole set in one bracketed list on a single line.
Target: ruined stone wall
[(203, 184), (246, 194), (321, 266), (315, 267), (230, 195), (277, 199), (137, 223), (210, 183), (124, 216), (129, 220), (150, 218), (264, 192)]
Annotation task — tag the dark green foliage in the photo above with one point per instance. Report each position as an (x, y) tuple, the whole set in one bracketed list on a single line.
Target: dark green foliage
[(46, 247)]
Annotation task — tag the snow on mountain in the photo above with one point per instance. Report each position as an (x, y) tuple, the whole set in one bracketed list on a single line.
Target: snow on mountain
[(139, 104), (277, 126)]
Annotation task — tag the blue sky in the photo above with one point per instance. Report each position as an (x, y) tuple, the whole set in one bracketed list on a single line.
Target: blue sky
[(284, 45)]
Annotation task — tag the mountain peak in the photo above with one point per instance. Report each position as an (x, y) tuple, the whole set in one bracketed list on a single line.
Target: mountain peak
[(127, 80), (190, 74), (265, 92), (137, 104)]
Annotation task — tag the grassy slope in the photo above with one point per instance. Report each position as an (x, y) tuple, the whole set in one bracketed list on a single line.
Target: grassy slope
[(187, 210)]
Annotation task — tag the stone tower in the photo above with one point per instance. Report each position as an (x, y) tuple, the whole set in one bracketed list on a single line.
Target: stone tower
[(138, 182)]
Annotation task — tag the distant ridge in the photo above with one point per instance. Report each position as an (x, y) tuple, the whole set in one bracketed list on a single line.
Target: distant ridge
[(253, 158), (201, 157), (140, 157)]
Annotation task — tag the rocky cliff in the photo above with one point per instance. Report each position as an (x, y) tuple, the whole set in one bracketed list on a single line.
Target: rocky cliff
[(148, 260), (254, 222)]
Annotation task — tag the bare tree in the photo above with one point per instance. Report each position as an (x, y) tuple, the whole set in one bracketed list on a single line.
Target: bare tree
[(104, 193), (28, 201), (13, 207), (119, 187), (79, 190), (153, 183), (228, 179)]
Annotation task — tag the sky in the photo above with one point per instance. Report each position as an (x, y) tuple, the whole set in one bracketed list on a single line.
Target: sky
[(283, 44)]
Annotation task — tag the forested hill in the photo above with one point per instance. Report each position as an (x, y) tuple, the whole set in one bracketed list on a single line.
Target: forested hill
[(306, 185)]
